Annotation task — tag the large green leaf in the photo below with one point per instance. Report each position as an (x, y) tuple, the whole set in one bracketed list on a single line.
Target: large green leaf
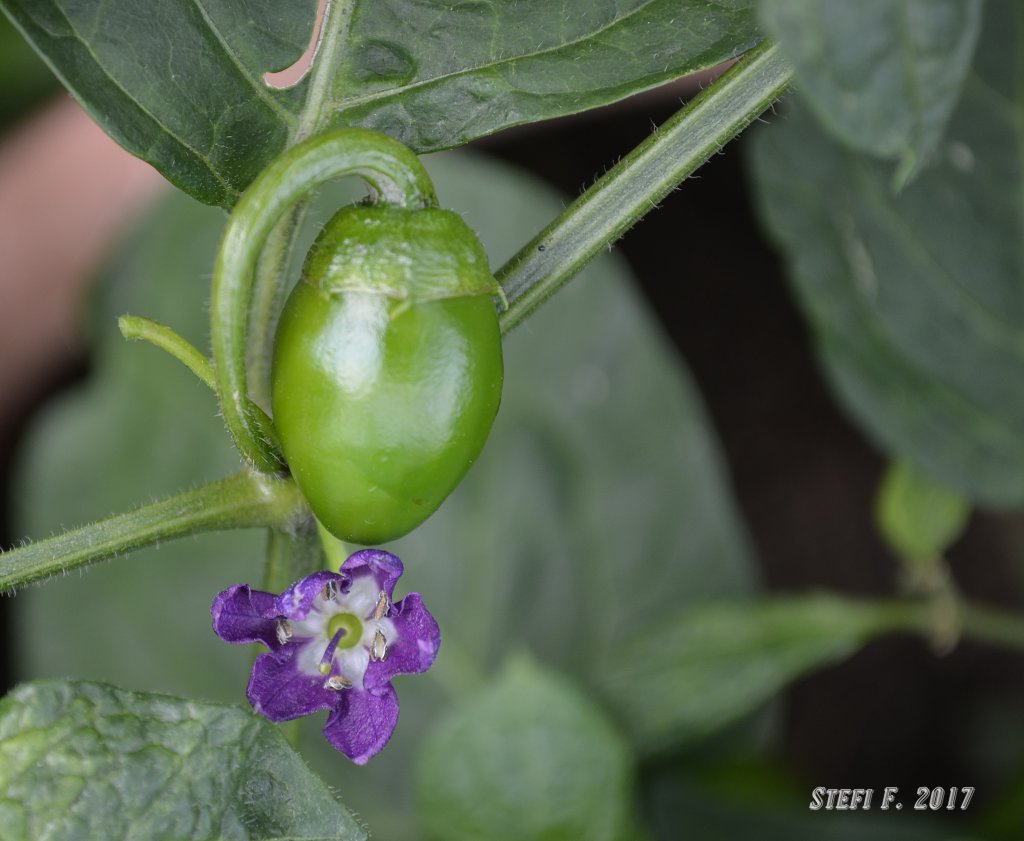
[(690, 675), (182, 84), (84, 761), (882, 75), (915, 299), (597, 506), (529, 759)]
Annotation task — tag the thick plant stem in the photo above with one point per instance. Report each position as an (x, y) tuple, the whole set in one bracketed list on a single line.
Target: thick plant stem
[(330, 50), (244, 499), (640, 180), (292, 554), (395, 176), (272, 272)]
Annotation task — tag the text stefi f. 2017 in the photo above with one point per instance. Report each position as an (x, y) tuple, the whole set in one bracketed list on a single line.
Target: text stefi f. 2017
[(862, 799)]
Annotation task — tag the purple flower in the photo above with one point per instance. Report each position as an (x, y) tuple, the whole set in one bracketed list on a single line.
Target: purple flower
[(336, 640)]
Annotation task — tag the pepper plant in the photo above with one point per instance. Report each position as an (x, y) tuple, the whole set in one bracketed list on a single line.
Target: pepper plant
[(590, 608)]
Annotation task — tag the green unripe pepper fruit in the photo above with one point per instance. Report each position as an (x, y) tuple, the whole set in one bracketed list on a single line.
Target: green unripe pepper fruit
[(387, 368)]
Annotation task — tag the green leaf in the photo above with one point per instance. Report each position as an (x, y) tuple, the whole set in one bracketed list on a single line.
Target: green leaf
[(882, 75), (182, 86), (88, 761), (915, 299), (695, 672), (528, 759), (918, 518)]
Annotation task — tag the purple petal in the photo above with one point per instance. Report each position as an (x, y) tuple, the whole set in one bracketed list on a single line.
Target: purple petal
[(414, 650), (385, 568), (297, 599), (279, 691), (361, 724), (241, 614)]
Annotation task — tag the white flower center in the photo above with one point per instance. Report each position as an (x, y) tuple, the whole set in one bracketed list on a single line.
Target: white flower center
[(344, 661)]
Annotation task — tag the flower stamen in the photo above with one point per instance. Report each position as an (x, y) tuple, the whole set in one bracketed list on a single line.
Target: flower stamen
[(381, 607), (337, 683), (284, 631), (330, 591), (379, 649)]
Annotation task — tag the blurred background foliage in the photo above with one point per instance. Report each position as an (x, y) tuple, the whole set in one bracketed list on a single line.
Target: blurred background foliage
[(609, 562)]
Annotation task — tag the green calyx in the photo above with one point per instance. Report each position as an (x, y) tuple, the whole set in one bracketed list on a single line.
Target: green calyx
[(408, 255), (350, 624)]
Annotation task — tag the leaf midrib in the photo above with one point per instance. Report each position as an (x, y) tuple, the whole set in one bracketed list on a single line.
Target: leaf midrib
[(261, 90)]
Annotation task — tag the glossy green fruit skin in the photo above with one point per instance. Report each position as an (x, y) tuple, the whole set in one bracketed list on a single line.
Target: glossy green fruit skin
[(383, 403)]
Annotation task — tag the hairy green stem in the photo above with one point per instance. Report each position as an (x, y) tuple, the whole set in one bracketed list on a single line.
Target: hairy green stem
[(395, 176), (272, 269), (330, 49), (242, 500), (292, 554), (135, 327), (269, 283), (640, 180), (159, 335)]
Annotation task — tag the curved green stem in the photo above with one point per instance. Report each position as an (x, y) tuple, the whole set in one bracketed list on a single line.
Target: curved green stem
[(394, 175), (639, 181), (242, 500), (269, 285), (134, 327)]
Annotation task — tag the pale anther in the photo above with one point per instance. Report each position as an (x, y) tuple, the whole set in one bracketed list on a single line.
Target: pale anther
[(379, 649), (337, 683), (284, 631), (382, 606), (330, 591)]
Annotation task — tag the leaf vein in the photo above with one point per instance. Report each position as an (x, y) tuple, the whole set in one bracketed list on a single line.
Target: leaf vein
[(261, 92)]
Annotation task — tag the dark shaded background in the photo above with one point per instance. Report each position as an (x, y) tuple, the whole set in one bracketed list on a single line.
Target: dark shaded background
[(804, 477)]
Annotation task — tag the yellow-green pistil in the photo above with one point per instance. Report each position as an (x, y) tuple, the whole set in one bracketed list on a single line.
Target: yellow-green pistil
[(345, 631)]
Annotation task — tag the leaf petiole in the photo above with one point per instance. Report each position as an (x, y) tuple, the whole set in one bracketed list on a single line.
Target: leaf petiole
[(241, 500)]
